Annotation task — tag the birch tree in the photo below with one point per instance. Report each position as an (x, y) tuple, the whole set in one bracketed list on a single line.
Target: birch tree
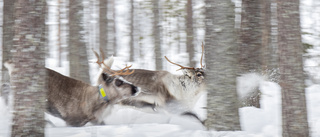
[(29, 80), (156, 34), (79, 68), (294, 111), (7, 38), (221, 60)]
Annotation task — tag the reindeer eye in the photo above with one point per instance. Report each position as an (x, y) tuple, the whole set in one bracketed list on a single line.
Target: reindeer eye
[(107, 78), (118, 82), (199, 75)]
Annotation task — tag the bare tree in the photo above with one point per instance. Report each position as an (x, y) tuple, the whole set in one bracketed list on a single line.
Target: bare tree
[(131, 31), (189, 30), (266, 50), (79, 68), (103, 26), (221, 60), (294, 111), (7, 38), (250, 56), (156, 34), (113, 4), (250, 36), (29, 78)]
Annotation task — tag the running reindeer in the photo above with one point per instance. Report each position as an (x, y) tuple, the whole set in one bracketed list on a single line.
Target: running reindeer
[(161, 89), (77, 102)]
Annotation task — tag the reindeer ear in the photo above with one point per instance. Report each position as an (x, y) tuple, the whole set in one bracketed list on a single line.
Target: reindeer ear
[(107, 78)]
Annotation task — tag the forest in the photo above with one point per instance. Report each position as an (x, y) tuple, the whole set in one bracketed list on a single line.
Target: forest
[(209, 67)]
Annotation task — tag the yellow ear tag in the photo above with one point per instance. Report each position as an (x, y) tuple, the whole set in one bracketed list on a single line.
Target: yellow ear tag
[(103, 94)]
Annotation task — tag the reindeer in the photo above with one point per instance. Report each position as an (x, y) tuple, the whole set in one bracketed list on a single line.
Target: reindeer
[(78, 103), (162, 89)]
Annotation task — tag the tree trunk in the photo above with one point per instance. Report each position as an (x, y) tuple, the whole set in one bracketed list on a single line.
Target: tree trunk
[(250, 36), (266, 50), (29, 80), (250, 45), (79, 68), (103, 26), (7, 38), (131, 32), (221, 60), (294, 111), (114, 28), (59, 35), (189, 31), (156, 35)]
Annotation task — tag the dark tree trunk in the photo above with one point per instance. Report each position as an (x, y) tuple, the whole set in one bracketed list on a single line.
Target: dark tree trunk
[(250, 45), (7, 38), (29, 80), (79, 68), (294, 110), (156, 34), (250, 36), (189, 31), (266, 49), (221, 60)]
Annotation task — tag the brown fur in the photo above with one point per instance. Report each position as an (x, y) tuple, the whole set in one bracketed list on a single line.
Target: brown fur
[(77, 102), (160, 88)]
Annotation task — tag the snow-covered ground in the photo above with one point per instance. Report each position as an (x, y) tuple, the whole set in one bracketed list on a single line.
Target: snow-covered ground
[(128, 122)]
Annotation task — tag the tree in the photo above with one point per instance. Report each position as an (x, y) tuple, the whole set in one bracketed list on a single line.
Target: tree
[(131, 31), (103, 26), (156, 34), (250, 58), (266, 50), (221, 60), (29, 80), (113, 4), (79, 68), (294, 111), (250, 36), (7, 38), (189, 31)]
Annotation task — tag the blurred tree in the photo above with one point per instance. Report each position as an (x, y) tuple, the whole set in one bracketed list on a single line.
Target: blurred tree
[(103, 26), (190, 35), (294, 111), (250, 45), (59, 34), (250, 36), (266, 50), (7, 38), (113, 4), (221, 60), (156, 34), (131, 58), (29, 80), (79, 68)]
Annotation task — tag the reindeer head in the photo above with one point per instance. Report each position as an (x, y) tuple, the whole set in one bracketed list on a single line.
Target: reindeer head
[(196, 74), (111, 83)]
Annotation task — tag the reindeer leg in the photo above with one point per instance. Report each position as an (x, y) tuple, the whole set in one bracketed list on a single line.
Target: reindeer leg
[(139, 104), (191, 114)]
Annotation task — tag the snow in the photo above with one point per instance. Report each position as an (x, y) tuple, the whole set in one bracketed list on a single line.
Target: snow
[(129, 122)]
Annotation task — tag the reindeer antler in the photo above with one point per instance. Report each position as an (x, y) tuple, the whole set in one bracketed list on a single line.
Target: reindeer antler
[(105, 68), (181, 67), (201, 55)]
